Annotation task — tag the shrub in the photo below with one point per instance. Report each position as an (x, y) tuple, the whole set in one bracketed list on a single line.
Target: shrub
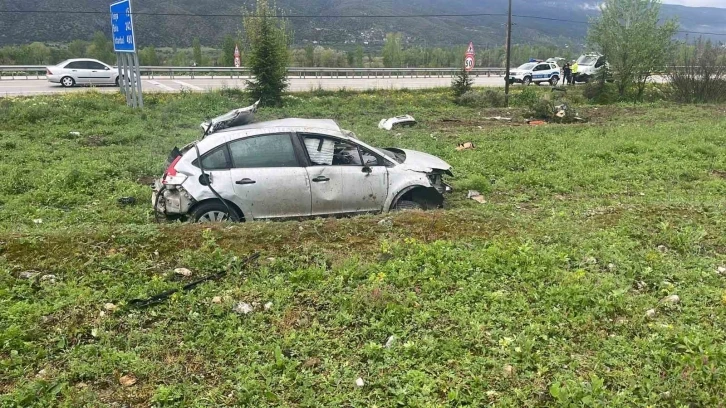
[(702, 79), (601, 93), (527, 98), (461, 83), (486, 99)]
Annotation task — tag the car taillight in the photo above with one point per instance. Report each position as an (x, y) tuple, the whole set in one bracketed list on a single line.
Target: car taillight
[(171, 170), (47, 72)]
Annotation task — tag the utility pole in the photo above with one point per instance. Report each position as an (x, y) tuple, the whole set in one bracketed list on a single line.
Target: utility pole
[(509, 51)]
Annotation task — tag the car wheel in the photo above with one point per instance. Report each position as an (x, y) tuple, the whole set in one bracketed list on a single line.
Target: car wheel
[(213, 211), (554, 81), (527, 81), (67, 81), (402, 205)]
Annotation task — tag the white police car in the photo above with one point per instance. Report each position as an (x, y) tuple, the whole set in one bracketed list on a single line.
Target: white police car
[(536, 72)]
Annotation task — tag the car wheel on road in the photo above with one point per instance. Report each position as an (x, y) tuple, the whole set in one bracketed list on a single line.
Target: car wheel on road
[(67, 82), (527, 81), (554, 81), (402, 205), (213, 211)]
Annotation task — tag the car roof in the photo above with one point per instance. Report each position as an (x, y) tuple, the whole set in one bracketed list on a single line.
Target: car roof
[(80, 59), (323, 124)]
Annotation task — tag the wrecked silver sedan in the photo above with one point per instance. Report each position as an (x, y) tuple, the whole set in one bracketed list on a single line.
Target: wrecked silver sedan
[(294, 168)]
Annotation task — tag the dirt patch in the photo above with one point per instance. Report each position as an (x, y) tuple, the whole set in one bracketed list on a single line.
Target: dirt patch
[(146, 180), (719, 173)]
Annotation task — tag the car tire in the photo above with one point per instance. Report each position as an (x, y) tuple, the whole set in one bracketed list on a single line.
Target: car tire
[(554, 80), (404, 205), (67, 82), (526, 81), (213, 211)]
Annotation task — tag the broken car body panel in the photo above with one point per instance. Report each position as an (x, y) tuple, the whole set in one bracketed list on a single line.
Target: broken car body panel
[(389, 124), (300, 187)]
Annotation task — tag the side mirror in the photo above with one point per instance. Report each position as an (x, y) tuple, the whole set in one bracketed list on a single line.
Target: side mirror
[(107, 69), (367, 170)]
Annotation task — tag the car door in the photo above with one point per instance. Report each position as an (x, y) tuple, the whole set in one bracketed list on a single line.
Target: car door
[(540, 72), (269, 179), (100, 74), (345, 177), (77, 70)]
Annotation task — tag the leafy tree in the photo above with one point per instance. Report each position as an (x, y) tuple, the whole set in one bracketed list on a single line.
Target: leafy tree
[(37, 53), (633, 40), (268, 37), (309, 55), (358, 58), (461, 83), (101, 48), (147, 56), (197, 51), (227, 57), (77, 48), (393, 51)]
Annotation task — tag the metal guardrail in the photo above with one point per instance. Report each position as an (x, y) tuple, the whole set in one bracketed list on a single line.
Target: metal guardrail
[(38, 72)]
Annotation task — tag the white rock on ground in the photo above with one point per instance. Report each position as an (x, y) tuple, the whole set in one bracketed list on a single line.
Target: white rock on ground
[(183, 272), (672, 299), (243, 308), (359, 382), (650, 313), (391, 340), (268, 306)]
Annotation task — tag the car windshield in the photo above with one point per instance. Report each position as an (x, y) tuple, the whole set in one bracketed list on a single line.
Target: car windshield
[(527, 67), (587, 60), (399, 158)]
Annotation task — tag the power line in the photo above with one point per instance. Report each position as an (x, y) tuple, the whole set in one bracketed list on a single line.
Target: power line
[(311, 16)]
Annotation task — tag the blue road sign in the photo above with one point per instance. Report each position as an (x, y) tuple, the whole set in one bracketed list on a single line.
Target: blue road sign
[(122, 27)]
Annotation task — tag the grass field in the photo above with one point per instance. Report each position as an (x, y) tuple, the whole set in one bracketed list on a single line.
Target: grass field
[(536, 298)]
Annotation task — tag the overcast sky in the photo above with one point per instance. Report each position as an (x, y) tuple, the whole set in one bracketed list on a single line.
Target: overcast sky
[(698, 3)]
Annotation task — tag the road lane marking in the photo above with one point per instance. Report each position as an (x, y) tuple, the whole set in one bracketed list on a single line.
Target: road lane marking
[(162, 86), (188, 85)]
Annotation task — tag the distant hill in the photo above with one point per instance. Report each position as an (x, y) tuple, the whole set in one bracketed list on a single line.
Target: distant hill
[(22, 28)]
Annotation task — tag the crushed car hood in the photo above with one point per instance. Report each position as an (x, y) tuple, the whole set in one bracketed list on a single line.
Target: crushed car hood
[(419, 161)]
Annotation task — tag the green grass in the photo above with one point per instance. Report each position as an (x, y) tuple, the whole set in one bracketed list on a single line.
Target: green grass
[(537, 297)]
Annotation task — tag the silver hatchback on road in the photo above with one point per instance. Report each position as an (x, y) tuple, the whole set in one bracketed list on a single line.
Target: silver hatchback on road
[(294, 168)]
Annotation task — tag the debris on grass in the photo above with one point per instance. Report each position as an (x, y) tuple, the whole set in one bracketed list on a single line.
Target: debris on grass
[(110, 307), (398, 121), (672, 299), (127, 200), (243, 308), (42, 374), (48, 279), (465, 146), (183, 272), (476, 196), (359, 382), (74, 134), (38, 221), (508, 370), (650, 313), (267, 306), (217, 299), (498, 118), (721, 270), (662, 248), (128, 380), (28, 274), (536, 122), (386, 222), (391, 340)]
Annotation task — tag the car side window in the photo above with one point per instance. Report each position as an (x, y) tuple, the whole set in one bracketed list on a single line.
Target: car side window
[(542, 67), (95, 65), (274, 150), (330, 151), (75, 65), (214, 160), (600, 62)]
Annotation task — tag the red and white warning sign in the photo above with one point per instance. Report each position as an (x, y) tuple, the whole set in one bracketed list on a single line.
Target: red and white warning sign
[(469, 58), (237, 59)]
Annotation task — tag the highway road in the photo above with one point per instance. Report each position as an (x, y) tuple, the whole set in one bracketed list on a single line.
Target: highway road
[(16, 87)]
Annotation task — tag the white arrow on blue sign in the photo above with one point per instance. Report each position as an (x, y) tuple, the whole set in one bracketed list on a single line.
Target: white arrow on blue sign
[(122, 27)]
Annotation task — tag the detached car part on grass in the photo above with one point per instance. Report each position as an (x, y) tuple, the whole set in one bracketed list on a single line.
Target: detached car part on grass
[(293, 168), (398, 121)]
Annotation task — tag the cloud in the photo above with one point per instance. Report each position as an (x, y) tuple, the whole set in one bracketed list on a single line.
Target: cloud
[(698, 3)]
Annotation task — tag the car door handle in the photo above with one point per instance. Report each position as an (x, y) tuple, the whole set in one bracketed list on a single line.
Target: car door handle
[(320, 179), (245, 181)]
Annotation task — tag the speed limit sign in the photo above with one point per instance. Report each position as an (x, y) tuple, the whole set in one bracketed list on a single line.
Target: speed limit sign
[(469, 62), (469, 58)]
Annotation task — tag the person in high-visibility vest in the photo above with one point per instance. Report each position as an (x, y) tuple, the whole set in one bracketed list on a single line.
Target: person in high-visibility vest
[(574, 71)]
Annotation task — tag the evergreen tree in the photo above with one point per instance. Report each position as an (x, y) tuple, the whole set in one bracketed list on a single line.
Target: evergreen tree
[(268, 38), (461, 83), (197, 50)]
